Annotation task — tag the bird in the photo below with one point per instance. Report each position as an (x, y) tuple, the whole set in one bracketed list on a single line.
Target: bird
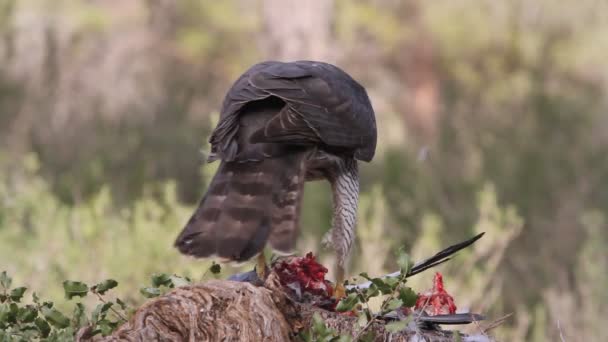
[(282, 124)]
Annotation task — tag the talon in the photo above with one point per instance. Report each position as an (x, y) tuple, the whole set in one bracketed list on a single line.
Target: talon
[(260, 268), (339, 291), (261, 273)]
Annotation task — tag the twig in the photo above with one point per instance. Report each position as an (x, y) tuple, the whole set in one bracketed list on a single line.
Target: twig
[(360, 332), (478, 326), (368, 313), (498, 322), (121, 316), (426, 303), (373, 317)]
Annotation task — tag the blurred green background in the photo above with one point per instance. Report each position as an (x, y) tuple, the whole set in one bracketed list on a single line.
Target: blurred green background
[(492, 116)]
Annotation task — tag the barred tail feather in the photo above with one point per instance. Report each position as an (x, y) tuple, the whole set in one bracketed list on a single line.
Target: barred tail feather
[(247, 205)]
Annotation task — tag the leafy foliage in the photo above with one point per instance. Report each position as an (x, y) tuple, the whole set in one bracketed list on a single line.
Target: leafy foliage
[(41, 320), (215, 268), (162, 282), (104, 286), (75, 288)]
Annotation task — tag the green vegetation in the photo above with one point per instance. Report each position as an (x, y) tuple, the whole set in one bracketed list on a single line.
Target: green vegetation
[(492, 117), (42, 321)]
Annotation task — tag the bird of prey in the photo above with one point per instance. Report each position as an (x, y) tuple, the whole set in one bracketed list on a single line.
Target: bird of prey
[(282, 124)]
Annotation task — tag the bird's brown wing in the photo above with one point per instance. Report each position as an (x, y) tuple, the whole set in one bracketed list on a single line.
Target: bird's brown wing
[(324, 106)]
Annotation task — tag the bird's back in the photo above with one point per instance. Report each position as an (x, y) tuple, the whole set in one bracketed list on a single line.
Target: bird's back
[(326, 106)]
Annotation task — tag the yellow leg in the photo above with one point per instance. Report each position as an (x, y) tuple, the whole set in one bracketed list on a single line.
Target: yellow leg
[(339, 291), (260, 267)]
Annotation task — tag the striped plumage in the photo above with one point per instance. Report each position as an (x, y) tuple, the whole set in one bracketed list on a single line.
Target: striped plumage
[(282, 124)]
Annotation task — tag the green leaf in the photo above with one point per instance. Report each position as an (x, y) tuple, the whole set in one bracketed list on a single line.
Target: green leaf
[(27, 314), (79, 317), (408, 296), (35, 298), (28, 332), (63, 335), (161, 279), (42, 326), (11, 313), (100, 312), (344, 338), (104, 286), (347, 303), (105, 307), (55, 317), (215, 268), (318, 326), (17, 293), (75, 288), (365, 275), (106, 327), (178, 281), (394, 304), (372, 291), (122, 304), (382, 285), (404, 261), (47, 304), (150, 292), (5, 280), (305, 336), (5, 313), (392, 282), (397, 326)]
